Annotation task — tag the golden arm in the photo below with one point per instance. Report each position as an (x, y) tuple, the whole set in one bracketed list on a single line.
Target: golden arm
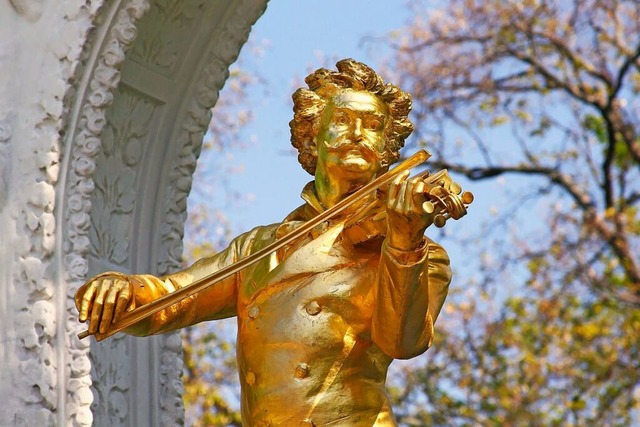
[(411, 288), (103, 298)]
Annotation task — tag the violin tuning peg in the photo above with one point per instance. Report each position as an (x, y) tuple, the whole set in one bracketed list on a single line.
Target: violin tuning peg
[(439, 221), (467, 197), (428, 207)]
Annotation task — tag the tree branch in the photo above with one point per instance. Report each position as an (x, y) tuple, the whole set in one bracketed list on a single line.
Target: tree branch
[(615, 239)]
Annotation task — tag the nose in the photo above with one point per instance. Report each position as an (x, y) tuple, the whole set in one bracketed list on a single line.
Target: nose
[(357, 130)]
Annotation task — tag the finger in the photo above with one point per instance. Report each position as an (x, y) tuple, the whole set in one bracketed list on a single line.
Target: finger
[(123, 302), (401, 197), (407, 196), (86, 301), (417, 195), (107, 310), (98, 302), (395, 188)]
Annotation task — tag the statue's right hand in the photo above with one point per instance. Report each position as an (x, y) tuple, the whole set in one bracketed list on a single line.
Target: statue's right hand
[(103, 299)]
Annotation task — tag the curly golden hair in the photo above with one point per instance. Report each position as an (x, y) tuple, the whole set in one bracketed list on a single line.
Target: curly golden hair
[(309, 105)]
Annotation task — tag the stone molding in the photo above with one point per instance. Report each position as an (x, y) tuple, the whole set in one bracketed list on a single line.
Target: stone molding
[(33, 375), (86, 157), (223, 52), (83, 146)]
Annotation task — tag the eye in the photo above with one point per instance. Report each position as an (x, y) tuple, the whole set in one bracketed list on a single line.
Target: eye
[(374, 124), (341, 119)]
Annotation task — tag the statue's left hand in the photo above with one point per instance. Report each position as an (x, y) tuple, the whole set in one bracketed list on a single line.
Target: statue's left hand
[(406, 217)]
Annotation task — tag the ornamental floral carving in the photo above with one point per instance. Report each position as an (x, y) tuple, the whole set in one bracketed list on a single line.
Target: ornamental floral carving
[(85, 147), (31, 10), (123, 139), (103, 137), (166, 33)]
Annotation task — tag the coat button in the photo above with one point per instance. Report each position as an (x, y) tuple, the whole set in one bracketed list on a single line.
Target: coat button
[(313, 308), (250, 378), (302, 371), (254, 311), (307, 423)]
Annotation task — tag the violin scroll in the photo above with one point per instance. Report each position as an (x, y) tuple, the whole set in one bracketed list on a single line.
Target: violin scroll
[(446, 197)]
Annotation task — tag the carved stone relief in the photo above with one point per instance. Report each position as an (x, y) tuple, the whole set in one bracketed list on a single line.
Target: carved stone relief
[(83, 148), (5, 165), (79, 122), (189, 141), (123, 146), (111, 398), (166, 34), (34, 342), (30, 9)]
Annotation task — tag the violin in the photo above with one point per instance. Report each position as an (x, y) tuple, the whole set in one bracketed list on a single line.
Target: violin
[(444, 196)]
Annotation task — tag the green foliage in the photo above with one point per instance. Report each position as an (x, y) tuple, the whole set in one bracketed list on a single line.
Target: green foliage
[(210, 377), (545, 360), (595, 125), (546, 332)]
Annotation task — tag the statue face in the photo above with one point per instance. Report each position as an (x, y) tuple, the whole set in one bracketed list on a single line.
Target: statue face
[(351, 138)]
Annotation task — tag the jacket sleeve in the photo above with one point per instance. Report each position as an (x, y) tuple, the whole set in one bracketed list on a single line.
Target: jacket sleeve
[(216, 302), (411, 290)]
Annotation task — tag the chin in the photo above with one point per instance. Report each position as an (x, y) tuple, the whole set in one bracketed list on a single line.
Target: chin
[(359, 176), (354, 167)]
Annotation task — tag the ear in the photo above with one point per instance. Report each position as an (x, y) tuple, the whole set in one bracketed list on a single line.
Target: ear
[(312, 146)]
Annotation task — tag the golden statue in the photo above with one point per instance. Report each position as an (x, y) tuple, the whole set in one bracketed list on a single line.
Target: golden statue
[(321, 317)]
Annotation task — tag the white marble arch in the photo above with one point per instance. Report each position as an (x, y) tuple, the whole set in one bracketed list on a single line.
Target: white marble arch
[(152, 75), (97, 149)]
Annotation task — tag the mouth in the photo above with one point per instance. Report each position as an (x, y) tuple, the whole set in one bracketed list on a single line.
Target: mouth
[(357, 159), (352, 157), (350, 149)]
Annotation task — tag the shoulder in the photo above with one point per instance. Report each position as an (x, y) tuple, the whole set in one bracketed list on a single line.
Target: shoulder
[(263, 235)]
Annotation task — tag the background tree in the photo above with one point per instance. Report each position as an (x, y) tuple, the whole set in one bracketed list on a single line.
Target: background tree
[(544, 96)]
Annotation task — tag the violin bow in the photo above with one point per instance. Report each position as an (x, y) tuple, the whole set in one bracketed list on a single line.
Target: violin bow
[(131, 318)]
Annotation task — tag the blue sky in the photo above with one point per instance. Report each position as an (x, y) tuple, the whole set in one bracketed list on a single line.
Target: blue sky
[(299, 36)]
